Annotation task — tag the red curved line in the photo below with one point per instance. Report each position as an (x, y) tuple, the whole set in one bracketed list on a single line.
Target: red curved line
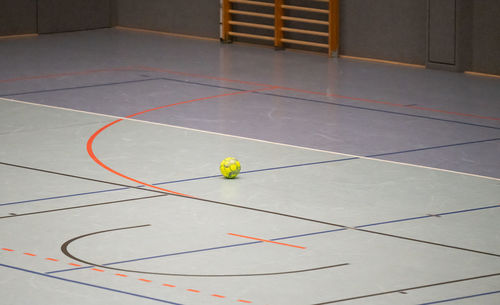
[(90, 141)]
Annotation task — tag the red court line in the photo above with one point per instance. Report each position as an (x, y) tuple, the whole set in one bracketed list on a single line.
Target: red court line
[(393, 104), (202, 76), (91, 140), (56, 75), (52, 259), (193, 290), (144, 68), (267, 241), (325, 94)]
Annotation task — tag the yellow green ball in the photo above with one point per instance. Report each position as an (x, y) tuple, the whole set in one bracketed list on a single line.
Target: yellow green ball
[(230, 167)]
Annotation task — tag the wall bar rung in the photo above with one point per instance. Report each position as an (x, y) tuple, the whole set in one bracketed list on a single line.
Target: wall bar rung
[(258, 3), (282, 31), (251, 36), (305, 9), (305, 20), (306, 43), (252, 25), (238, 12), (325, 34)]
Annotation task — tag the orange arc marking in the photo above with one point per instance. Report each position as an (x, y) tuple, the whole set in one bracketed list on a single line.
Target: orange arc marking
[(144, 280), (91, 140), (10, 250), (30, 254), (73, 264), (193, 290), (267, 241), (95, 269), (122, 275), (168, 285), (244, 301), (218, 296)]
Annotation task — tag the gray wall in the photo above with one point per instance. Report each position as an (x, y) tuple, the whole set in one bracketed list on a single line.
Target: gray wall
[(486, 37), (17, 17), (191, 17), (384, 29), (73, 15)]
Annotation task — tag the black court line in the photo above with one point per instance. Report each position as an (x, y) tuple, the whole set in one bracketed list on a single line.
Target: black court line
[(280, 238), (261, 170), (64, 249), (409, 288), (378, 110), (262, 211), (82, 87), (83, 206), (83, 178), (89, 285), (462, 298), (120, 83)]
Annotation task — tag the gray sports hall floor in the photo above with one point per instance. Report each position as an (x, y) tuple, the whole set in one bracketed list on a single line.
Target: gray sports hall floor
[(361, 183)]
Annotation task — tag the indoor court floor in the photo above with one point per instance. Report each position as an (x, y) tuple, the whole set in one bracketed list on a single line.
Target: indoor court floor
[(361, 182)]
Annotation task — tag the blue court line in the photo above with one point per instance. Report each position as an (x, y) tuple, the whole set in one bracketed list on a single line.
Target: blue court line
[(260, 93), (122, 83), (379, 110), (89, 285), (281, 238), (260, 170), (434, 147), (461, 298), (83, 87)]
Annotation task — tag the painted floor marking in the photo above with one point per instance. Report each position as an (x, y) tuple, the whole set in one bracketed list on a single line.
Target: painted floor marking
[(252, 139), (104, 271), (267, 241)]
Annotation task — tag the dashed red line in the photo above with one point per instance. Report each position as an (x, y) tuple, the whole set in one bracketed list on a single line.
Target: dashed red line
[(124, 275), (52, 259)]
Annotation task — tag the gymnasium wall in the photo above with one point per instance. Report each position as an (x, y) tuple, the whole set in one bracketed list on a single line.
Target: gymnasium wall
[(51, 16), (17, 17), (384, 29), (73, 15), (486, 37), (189, 17), (445, 34)]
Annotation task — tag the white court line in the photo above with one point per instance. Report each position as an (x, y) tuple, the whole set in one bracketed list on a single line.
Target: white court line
[(251, 139)]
